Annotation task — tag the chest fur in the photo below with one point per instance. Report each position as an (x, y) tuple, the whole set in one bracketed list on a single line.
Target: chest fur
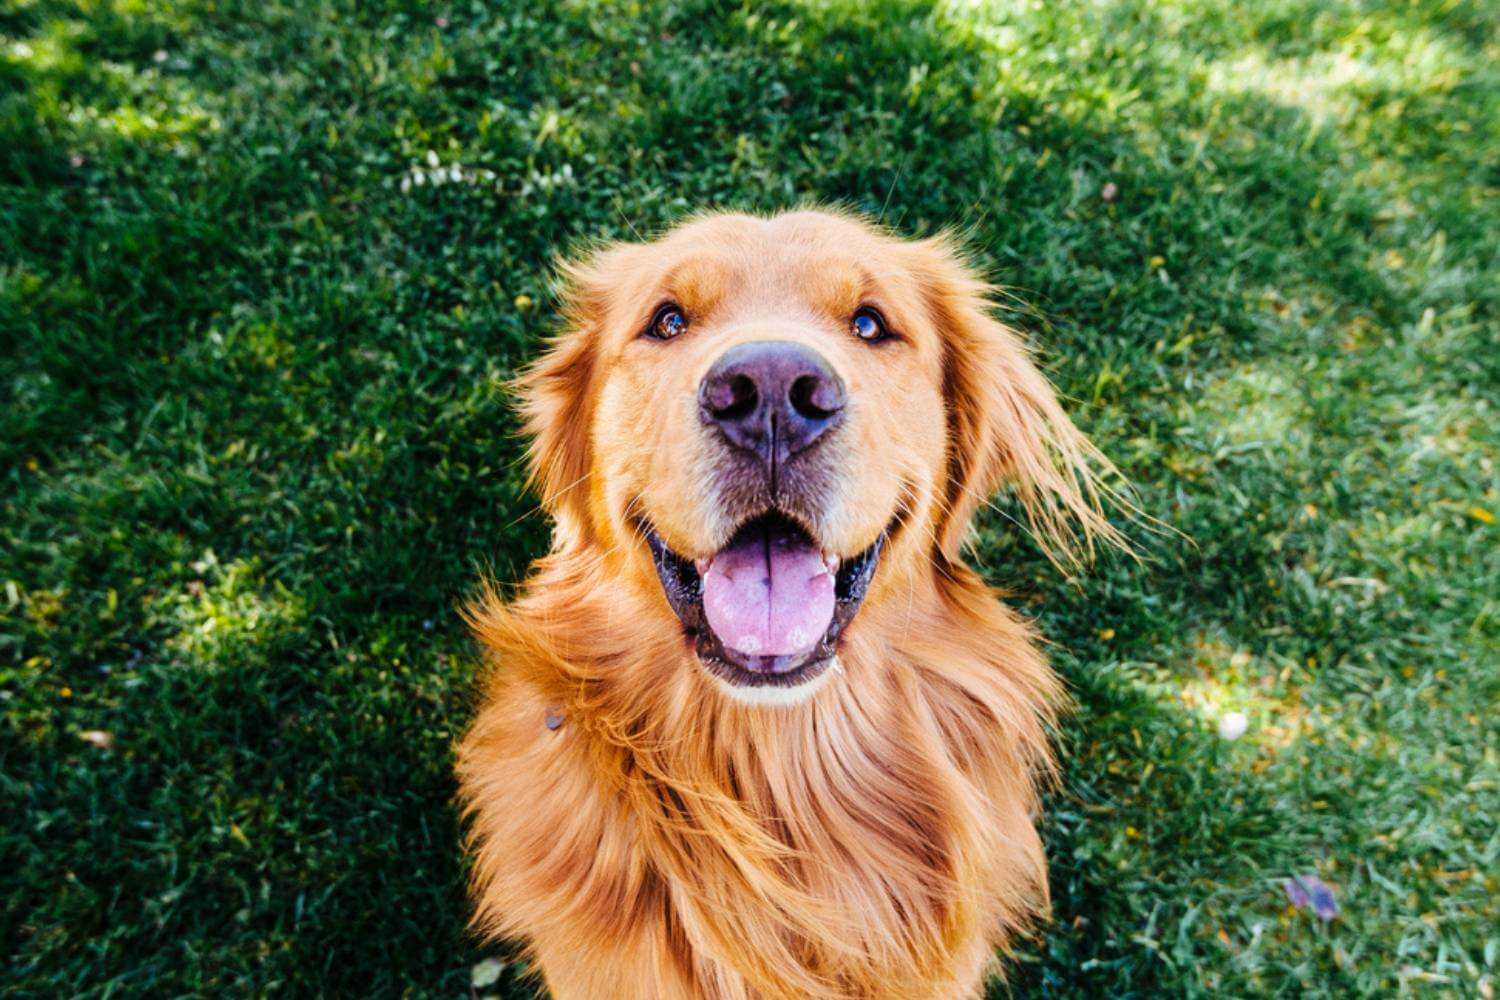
[(833, 859)]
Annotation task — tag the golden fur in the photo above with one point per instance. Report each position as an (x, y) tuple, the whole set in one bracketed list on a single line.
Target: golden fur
[(874, 839)]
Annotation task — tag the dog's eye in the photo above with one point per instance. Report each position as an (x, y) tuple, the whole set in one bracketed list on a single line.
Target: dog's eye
[(667, 322), (869, 326)]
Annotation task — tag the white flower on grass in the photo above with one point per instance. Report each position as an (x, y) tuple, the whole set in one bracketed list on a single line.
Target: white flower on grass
[(546, 182), (1232, 725), (431, 170)]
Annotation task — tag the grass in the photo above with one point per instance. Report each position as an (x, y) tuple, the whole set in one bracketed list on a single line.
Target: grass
[(255, 447)]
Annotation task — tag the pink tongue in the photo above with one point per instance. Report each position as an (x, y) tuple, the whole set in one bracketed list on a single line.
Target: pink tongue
[(768, 596)]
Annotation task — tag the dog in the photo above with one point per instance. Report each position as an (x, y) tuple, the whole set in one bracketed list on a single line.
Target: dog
[(752, 727)]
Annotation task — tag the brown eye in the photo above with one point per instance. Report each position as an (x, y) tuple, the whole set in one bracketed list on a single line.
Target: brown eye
[(869, 326), (667, 322)]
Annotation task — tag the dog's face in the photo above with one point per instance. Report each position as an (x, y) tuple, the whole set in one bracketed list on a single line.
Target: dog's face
[(761, 417)]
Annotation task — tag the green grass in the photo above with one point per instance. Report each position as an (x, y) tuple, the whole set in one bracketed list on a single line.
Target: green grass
[(255, 446)]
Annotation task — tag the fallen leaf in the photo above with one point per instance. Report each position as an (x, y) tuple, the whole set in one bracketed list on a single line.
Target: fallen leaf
[(486, 973), (1310, 892)]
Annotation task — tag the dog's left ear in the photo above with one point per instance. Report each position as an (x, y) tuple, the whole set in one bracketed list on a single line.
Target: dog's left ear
[(555, 396), (1005, 424)]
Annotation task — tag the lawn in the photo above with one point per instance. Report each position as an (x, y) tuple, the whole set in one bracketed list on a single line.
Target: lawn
[(265, 269)]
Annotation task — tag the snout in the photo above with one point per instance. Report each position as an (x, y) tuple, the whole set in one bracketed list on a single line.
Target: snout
[(771, 398)]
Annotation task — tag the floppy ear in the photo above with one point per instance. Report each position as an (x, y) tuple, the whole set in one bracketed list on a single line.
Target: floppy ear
[(556, 399), (1005, 425)]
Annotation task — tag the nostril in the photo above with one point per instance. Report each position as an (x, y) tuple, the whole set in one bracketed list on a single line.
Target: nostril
[(815, 398), (733, 398)]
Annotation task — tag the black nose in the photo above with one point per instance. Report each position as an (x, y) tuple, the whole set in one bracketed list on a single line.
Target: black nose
[(771, 397)]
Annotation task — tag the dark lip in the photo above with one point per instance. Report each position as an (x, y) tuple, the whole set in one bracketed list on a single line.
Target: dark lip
[(683, 587)]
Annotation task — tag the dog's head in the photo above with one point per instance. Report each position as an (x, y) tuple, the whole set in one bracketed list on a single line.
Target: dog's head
[(767, 419)]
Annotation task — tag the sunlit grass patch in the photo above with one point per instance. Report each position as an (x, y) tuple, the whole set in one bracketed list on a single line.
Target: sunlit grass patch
[(1256, 407), (223, 609)]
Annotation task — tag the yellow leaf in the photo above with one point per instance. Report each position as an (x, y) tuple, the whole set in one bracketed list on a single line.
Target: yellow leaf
[(1480, 514)]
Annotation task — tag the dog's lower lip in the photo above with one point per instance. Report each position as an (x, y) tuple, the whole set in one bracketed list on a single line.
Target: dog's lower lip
[(682, 581)]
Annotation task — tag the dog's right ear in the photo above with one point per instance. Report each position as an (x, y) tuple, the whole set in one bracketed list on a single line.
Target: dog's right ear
[(556, 399), (1006, 424)]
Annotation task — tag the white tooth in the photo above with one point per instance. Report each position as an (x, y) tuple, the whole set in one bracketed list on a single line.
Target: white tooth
[(702, 565), (831, 561)]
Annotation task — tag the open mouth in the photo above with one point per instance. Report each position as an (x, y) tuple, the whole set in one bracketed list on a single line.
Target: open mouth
[(766, 610)]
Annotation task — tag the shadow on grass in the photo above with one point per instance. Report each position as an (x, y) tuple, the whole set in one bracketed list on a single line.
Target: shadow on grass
[(261, 387)]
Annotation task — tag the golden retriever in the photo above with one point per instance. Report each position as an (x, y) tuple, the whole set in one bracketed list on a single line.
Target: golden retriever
[(752, 729)]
